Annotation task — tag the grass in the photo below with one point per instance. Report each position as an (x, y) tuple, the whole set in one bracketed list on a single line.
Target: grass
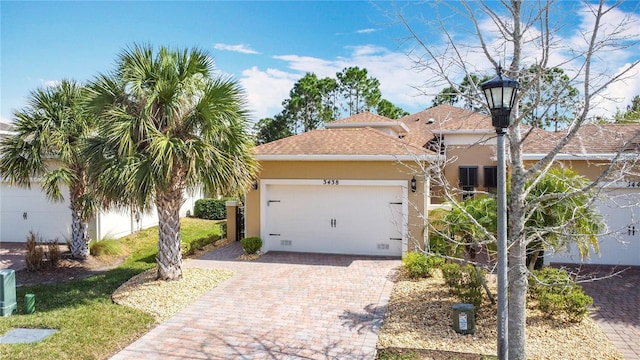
[(420, 354), (107, 247), (89, 325)]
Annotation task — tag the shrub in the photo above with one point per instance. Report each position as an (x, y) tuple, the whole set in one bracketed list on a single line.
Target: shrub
[(106, 247), (558, 294), (211, 209), (223, 229), (53, 253), (419, 265), (465, 283), (251, 245), (574, 304), (549, 280), (35, 254), (190, 248)]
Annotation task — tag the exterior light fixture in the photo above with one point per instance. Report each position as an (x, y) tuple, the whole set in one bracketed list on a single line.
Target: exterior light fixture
[(254, 185), (414, 184), (501, 93)]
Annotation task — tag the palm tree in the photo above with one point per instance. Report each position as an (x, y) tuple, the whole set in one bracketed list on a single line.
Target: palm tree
[(167, 125), (562, 212), (48, 146)]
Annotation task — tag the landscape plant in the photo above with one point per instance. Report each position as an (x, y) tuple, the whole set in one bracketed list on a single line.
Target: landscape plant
[(211, 209), (107, 247), (47, 149), (251, 245), (168, 124), (465, 283), (419, 265), (558, 294)]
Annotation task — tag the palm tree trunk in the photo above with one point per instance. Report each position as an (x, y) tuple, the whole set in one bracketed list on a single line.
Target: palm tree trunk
[(169, 250), (79, 228), (79, 234)]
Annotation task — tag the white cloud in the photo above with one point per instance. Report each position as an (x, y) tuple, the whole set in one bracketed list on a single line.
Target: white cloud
[(241, 48), (413, 88), (266, 89), (365, 31), (5, 120), (619, 94), (50, 83)]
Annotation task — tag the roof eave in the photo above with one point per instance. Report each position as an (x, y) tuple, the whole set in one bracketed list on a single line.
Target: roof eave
[(602, 156), (339, 157)]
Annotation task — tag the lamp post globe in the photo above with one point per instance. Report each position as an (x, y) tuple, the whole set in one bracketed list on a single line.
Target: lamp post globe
[(500, 93)]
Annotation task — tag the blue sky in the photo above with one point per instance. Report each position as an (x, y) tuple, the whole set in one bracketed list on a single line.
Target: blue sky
[(266, 45)]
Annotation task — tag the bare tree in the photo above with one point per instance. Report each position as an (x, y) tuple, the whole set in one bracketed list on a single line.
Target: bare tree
[(526, 35)]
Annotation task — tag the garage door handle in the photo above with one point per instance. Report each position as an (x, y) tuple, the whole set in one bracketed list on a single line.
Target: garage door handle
[(399, 239), (274, 234)]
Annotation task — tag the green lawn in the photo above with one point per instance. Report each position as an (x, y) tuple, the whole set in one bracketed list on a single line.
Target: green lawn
[(89, 325)]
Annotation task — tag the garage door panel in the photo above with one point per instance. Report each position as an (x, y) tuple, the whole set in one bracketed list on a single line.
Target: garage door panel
[(620, 245), (334, 219), (23, 210)]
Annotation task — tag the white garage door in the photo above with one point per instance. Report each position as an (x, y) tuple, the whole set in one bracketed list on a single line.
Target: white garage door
[(23, 210), (621, 244), (350, 217)]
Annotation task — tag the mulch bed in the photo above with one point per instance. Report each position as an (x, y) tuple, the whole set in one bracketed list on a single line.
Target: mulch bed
[(67, 269)]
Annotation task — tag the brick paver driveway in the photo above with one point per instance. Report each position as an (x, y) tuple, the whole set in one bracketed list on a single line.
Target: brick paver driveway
[(616, 303), (283, 306)]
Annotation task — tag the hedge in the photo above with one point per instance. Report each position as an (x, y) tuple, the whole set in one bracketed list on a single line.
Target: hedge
[(211, 209)]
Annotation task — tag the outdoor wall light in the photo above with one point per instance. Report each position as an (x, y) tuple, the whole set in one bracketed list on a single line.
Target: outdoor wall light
[(254, 185), (414, 184)]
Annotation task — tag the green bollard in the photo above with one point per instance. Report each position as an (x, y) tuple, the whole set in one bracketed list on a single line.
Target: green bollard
[(29, 303)]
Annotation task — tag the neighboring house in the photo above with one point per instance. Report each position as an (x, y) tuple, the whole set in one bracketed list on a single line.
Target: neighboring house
[(23, 210), (348, 188)]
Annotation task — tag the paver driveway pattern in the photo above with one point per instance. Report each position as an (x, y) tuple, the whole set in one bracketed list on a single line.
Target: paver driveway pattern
[(616, 303), (283, 306)]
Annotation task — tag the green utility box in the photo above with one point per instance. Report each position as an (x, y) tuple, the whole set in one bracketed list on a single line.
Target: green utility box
[(29, 303), (8, 305), (464, 318)]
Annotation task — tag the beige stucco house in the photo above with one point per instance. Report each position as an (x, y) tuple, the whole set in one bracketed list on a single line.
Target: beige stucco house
[(362, 184)]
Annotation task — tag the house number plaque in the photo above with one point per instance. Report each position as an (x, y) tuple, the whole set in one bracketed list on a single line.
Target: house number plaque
[(330, 182)]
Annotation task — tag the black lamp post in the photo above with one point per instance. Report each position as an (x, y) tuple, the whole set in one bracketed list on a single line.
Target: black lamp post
[(500, 93)]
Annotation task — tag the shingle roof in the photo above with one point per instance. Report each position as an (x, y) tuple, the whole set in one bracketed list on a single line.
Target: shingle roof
[(349, 141), (365, 117), (590, 139), (424, 125)]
